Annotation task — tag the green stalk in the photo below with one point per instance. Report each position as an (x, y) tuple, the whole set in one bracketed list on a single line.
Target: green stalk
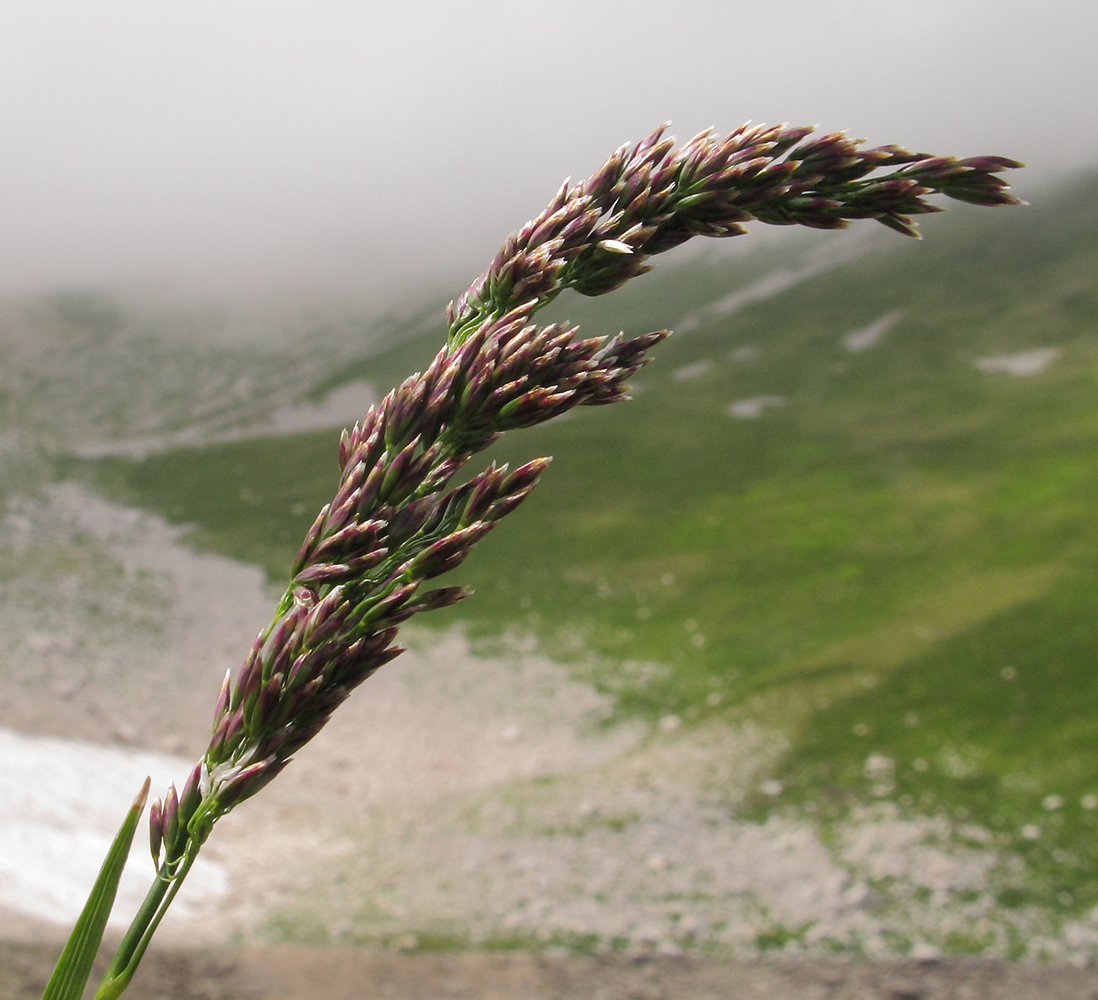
[(136, 939)]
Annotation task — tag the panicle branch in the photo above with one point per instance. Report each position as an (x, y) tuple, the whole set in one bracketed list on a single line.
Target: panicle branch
[(395, 522), (597, 234)]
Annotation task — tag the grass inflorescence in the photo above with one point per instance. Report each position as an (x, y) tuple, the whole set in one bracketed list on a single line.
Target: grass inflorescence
[(406, 508)]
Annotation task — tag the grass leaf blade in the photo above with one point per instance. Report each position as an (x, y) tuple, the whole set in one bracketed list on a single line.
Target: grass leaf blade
[(74, 966)]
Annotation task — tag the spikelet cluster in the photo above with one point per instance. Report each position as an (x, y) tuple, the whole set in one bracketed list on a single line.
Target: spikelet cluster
[(395, 522), (650, 197)]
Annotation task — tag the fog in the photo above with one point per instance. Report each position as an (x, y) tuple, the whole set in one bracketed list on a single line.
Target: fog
[(365, 149)]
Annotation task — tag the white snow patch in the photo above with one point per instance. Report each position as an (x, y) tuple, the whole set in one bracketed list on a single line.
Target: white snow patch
[(692, 371), (754, 407), (1022, 364), (869, 336), (63, 803)]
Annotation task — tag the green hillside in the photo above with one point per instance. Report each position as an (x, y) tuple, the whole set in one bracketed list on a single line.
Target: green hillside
[(861, 509)]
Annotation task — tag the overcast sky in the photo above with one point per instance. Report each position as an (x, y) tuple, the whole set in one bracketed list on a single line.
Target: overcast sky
[(352, 145)]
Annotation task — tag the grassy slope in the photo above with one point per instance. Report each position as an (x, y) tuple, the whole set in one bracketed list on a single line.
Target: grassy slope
[(860, 565)]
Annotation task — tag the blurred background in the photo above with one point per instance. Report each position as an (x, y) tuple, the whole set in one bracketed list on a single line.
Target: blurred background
[(793, 653)]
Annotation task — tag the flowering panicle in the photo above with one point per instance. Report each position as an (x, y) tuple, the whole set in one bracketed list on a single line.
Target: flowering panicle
[(397, 520)]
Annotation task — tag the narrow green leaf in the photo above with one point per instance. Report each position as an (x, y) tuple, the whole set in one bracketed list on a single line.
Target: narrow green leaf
[(75, 964)]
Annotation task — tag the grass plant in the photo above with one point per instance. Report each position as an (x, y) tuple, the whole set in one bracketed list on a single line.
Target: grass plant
[(405, 509)]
